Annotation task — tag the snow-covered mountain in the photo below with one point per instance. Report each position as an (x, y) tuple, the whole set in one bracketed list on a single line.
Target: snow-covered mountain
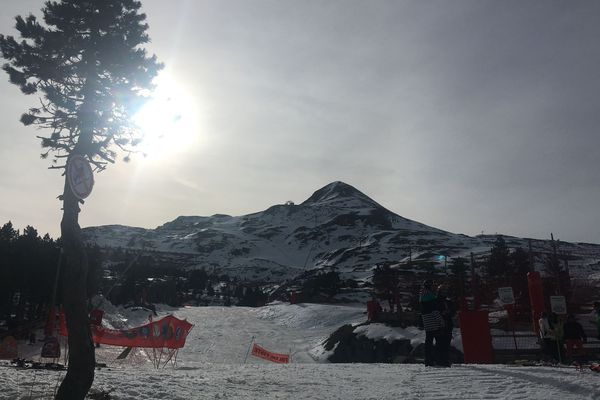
[(338, 226)]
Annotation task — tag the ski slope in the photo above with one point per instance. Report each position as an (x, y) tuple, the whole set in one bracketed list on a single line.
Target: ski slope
[(320, 381), (211, 366)]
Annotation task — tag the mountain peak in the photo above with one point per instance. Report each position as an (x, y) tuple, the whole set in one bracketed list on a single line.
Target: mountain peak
[(338, 191)]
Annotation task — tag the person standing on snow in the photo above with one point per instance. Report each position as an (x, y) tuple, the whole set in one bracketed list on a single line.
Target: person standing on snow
[(432, 321), (447, 310)]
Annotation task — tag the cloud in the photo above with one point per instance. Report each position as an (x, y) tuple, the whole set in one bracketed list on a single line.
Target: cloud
[(459, 114)]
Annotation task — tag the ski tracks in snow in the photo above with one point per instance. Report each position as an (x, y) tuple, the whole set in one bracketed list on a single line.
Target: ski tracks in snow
[(364, 382), (320, 381), (503, 382)]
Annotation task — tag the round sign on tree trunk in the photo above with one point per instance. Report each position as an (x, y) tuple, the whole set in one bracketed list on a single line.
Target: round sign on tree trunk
[(80, 176)]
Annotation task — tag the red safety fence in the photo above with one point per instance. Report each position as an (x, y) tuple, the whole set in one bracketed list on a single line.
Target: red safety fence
[(476, 337), (96, 317), (536, 298), (260, 352), (168, 332)]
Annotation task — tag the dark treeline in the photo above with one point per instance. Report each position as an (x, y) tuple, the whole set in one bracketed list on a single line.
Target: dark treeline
[(28, 266), (134, 278), (480, 276), (500, 267), (29, 263)]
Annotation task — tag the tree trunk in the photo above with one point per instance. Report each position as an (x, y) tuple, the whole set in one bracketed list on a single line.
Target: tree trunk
[(82, 359)]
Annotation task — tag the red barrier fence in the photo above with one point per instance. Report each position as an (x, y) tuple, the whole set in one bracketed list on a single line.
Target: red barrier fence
[(476, 337), (536, 298)]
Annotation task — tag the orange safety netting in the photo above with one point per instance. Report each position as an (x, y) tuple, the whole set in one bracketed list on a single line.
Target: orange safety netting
[(168, 332)]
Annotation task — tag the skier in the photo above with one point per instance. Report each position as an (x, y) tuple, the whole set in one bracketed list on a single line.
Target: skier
[(432, 321)]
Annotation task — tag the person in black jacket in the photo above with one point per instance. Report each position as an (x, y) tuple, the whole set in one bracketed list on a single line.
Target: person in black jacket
[(574, 336), (432, 321), (448, 310)]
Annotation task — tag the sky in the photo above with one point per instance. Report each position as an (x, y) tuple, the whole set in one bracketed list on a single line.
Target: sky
[(469, 116)]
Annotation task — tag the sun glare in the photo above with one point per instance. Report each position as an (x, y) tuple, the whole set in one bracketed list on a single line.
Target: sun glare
[(168, 120)]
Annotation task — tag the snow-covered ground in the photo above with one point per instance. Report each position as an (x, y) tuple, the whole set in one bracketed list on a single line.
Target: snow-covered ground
[(211, 366), (320, 381)]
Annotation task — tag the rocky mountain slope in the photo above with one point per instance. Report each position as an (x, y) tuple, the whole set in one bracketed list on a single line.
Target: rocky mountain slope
[(338, 226)]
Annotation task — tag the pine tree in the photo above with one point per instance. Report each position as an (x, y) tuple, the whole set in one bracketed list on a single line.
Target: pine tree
[(27, 264), (197, 279), (30, 233), (8, 233), (555, 269), (210, 290), (498, 263), (519, 261), (321, 283), (86, 63), (8, 279), (458, 268)]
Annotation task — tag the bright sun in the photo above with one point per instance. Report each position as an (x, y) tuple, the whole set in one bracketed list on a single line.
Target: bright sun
[(168, 120)]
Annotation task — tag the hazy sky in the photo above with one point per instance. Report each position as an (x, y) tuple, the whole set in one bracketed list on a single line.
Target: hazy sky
[(469, 116)]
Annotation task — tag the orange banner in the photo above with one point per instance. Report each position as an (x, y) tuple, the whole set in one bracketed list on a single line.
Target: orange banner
[(260, 352), (168, 332)]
